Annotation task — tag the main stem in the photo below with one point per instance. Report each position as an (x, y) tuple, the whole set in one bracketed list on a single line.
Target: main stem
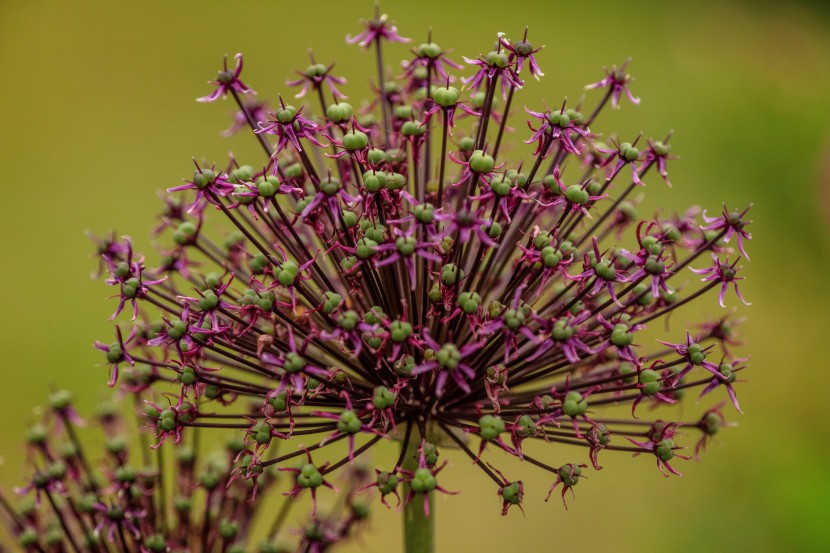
[(418, 528)]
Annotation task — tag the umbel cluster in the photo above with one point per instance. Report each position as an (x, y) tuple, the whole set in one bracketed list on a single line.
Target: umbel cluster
[(392, 271)]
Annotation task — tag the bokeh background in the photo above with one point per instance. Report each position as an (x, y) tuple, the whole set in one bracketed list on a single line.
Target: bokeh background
[(97, 114)]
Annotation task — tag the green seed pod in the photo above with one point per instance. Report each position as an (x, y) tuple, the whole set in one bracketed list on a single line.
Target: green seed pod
[(575, 194), (400, 331), (527, 427), (434, 293), (383, 397), (628, 372), (514, 319), (512, 493), (493, 229), (620, 336), (208, 301), (374, 339), (605, 270), (286, 115), (280, 402), (376, 157), (126, 474), (629, 152), (395, 181), (576, 117), (497, 59), (550, 257), (490, 426), (446, 96), (339, 112), (330, 186), (403, 112), (294, 171), (294, 363), (261, 433), (412, 128), (349, 423), (203, 178), (349, 218), (366, 248), (355, 140), (423, 481), (559, 119), (156, 543), (331, 301), (469, 302), (428, 50), (374, 315), (451, 274), (287, 273), (374, 180), (500, 187), (387, 482), (449, 357), (569, 474), (425, 213), (466, 144), (481, 162), (309, 477), (664, 450), (552, 186), (60, 399), (574, 405), (478, 100), (404, 365)]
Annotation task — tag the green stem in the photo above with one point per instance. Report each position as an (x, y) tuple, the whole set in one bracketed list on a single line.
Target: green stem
[(418, 528)]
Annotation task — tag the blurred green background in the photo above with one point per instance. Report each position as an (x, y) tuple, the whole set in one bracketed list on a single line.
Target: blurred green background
[(98, 114)]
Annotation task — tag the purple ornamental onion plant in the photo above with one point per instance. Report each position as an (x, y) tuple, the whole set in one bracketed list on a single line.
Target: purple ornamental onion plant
[(123, 496), (383, 273)]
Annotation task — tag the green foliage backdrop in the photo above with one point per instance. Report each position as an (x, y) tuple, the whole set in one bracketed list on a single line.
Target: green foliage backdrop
[(97, 113)]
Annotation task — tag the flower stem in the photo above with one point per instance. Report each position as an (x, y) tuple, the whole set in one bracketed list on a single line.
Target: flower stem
[(418, 527)]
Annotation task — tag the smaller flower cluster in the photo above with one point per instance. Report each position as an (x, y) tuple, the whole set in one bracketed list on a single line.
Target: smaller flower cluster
[(130, 500)]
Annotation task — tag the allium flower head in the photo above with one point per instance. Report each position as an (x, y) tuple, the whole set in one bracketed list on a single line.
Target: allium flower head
[(369, 280)]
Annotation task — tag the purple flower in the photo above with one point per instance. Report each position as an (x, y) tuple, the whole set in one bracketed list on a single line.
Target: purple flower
[(662, 446), (295, 368), (290, 126), (567, 475), (729, 372), (208, 185), (128, 275), (692, 354), (725, 274), (117, 352), (522, 51), (626, 154), (251, 107), (658, 152), (308, 477), (616, 81), (227, 82), (492, 66), (732, 224), (557, 126), (377, 29), (405, 248), (314, 77), (449, 360)]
